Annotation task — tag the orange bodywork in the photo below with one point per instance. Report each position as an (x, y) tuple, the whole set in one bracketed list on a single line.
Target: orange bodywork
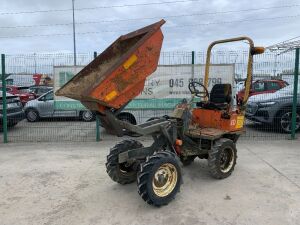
[(118, 74), (128, 80), (207, 118)]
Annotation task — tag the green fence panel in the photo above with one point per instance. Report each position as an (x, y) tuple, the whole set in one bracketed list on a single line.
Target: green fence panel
[(4, 105), (294, 113)]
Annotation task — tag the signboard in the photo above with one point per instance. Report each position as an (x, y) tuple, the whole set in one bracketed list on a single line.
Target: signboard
[(172, 81), (163, 89)]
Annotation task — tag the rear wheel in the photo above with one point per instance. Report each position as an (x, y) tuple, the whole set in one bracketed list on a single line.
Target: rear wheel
[(284, 121), (222, 158), (87, 116), (159, 178), (123, 173), (32, 115)]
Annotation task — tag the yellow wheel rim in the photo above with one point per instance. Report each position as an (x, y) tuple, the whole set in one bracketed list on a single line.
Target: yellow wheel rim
[(164, 180)]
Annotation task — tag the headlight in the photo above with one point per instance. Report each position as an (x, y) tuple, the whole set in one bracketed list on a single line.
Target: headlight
[(266, 104)]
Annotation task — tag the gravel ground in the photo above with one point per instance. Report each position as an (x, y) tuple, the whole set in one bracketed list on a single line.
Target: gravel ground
[(64, 183)]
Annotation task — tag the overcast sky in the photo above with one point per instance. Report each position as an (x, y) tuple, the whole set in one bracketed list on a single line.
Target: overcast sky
[(182, 33)]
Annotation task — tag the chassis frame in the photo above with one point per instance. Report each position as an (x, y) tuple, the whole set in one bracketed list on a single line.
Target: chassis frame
[(164, 131)]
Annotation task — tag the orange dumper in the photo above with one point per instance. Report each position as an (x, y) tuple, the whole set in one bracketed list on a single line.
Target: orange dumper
[(207, 127)]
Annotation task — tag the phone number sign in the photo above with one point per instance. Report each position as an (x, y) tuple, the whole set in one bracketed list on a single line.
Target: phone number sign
[(172, 81)]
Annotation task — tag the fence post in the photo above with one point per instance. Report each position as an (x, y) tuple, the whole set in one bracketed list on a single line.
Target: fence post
[(193, 63), (4, 113), (193, 57), (97, 117), (294, 112)]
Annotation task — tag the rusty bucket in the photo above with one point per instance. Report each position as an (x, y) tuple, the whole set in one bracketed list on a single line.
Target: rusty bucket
[(118, 74)]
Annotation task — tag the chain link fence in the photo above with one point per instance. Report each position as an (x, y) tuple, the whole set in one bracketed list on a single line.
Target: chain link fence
[(31, 76)]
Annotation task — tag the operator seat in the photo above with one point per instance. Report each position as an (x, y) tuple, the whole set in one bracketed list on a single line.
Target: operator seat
[(220, 97)]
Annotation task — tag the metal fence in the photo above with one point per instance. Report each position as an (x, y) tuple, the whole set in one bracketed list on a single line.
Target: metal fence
[(269, 111)]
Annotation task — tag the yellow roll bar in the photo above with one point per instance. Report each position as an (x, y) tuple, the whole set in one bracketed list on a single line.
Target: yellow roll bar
[(252, 51)]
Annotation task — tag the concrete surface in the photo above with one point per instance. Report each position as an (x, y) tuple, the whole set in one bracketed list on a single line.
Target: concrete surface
[(67, 184)]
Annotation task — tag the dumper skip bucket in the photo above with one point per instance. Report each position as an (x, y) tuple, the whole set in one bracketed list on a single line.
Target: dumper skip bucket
[(118, 74)]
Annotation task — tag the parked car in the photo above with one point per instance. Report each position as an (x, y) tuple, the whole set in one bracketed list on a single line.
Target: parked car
[(240, 85), (24, 93), (262, 87), (15, 112), (39, 90), (275, 108), (43, 107)]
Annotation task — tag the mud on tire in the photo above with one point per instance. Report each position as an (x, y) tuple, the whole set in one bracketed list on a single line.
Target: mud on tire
[(153, 186), (121, 173), (222, 158)]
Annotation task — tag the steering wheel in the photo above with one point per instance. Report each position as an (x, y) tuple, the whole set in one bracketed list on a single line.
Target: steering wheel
[(194, 88)]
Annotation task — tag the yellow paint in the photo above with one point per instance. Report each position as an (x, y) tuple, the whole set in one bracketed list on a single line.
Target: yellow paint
[(232, 122), (240, 122), (130, 61), (111, 95)]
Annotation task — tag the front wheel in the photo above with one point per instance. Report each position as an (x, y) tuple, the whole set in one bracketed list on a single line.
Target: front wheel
[(284, 121), (222, 158), (122, 173), (159, 178)]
